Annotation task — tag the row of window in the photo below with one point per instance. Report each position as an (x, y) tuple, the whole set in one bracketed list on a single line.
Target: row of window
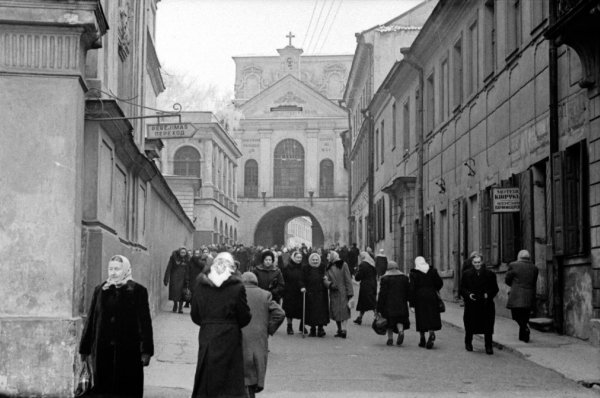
[(223, 233)]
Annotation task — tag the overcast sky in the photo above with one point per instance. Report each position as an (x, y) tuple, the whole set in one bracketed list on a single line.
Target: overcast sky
[(199, 37)]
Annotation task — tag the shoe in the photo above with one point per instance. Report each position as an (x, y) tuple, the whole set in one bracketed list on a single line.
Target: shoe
[(526, 333), (175, 307), (187, 305), (343, 334), (321, 332), (180, 311), (489, 350), (313, 332), (290, 329), (390, 342), (430, 341), (469, 347), (400, 339), (338, 334), (358, 320), (422, 341)]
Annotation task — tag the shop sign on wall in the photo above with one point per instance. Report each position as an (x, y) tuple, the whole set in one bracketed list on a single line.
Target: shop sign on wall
[(506, 200), (171, 130)]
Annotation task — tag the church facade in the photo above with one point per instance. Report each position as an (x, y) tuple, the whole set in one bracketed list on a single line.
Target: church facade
[(292, 162)]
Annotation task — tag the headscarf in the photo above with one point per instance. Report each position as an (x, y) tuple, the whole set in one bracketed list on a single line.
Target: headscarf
[(125, 276), (313, 256), (381, 253), (393, 269), (366, 257), (294, 255), (421, 265), (334, 256), (249, 278), (221, 268)]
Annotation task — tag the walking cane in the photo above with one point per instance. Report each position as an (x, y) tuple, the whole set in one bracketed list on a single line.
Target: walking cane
[(303, 313)]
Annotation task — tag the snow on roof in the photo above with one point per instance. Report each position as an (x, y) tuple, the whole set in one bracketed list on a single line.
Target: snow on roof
[(395, 28)]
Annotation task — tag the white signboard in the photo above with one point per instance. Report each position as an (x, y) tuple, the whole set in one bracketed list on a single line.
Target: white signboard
[(506, 200), (171, 130)]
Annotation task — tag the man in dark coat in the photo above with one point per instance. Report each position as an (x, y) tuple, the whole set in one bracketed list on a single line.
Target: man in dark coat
[(176, 276), (353, 254), (522, 278), (478, 289), (220, 308), (267, 316)]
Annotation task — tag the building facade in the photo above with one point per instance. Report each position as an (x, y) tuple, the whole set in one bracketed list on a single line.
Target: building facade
[(292, 155), (78, 186), (201, 171)]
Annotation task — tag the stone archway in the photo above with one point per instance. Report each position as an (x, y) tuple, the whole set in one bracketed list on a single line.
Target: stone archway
[(270, 229)]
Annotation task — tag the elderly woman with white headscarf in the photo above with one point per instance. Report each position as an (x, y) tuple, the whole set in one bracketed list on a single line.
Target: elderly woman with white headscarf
[(220, 308), (367, 295), (339, 282), (317, 301), (425, 282), (117, 336)]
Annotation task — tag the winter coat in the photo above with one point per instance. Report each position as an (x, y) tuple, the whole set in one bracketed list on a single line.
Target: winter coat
[(196, 266), (353, 254), (317, 300), (118, 330), (423, 297), (176, 276), (270, 279), (522, 278), (367, 295), (480, 314), (293, 278), (340, 290), (267, 316), (381, 263), (221, 312), (392, 302)]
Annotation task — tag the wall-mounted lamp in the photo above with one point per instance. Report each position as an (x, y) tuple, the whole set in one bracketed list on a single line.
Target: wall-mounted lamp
[(264, 195), (442, 184), (311, 194), (470, 164)]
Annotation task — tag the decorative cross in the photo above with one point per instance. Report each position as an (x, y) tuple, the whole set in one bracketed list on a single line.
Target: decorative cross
[(290, 36)]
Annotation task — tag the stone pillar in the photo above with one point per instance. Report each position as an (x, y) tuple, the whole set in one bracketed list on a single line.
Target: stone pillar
[(265, 165), (311, 162), (42, 65)]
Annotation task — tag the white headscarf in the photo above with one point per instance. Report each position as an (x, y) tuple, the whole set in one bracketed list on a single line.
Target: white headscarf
[(366, 257), (421, 265), (317, 263), (125, 276), (221, 269)]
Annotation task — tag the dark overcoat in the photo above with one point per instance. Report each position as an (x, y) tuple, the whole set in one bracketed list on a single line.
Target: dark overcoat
[(196, 266), (117, 331), (353, 254), (423, 297), (480, 314), (522, 278), (292, 296), (221, 312), (381, 263), (367, 294), (267, 316), (340, 290), (392, 302), (176, 276), (270, 279), (317, 300)]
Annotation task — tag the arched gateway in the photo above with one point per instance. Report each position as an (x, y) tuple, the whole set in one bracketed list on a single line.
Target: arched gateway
[(270, 229)]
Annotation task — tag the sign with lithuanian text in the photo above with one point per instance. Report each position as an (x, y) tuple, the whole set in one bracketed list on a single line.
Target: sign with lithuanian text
[(506, 200), (170, 130)]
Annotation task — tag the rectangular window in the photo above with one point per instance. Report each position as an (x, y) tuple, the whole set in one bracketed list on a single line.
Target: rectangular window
[(443, 261), (457, 73), (406, 127), (490, 43), (473, 224), (391, 214), (121, 202), (382, 140), (444, 91), (376, 151), (513, 26), (430, 104), (429, 236), (539, 13), (473, 74), (141, 218), (394, 127), (105, 171)]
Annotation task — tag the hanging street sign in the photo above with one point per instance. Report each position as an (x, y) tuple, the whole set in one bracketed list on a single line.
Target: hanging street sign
[(170, 130), (506, 200)]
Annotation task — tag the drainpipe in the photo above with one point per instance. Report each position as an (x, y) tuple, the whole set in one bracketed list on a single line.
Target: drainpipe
[(370, 179), (347, 140), (408, 58)]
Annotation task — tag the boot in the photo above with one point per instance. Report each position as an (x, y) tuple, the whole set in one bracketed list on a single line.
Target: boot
[(290, 329), (321, 332), (422, 340), (358, 320), (313, 332), (400, 339), (430, 340), (180, 307), (174, 306)]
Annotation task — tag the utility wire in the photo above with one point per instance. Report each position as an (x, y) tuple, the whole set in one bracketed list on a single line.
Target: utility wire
[(315, 27), (323, 26), (330, 26), (309, 23)]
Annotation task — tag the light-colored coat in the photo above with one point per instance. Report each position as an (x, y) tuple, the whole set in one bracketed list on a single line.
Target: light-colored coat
[(340, 291), (521, 277), (267, 316)]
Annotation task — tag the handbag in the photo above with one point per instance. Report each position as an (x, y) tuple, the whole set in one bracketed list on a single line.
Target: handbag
[(440, 303), (85, 381), (379, 324), (187, 295)]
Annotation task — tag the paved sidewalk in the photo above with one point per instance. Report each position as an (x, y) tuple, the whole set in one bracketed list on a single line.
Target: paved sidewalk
[(573, 358)]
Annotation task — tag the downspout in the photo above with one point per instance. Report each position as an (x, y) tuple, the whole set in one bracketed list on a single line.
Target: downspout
[(420, 160), (347, 144), (370, 179)]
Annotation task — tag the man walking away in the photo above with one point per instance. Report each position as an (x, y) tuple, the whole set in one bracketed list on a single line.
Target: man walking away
[(521, 277)]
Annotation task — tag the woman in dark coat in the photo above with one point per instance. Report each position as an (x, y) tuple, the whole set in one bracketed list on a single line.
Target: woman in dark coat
[(117, 336), (425, 282), (220, 308), (392, 302), (339, 282), (367, 295), (176, 276), (293, 278), (269, 276), (317, 303), (478, 289)]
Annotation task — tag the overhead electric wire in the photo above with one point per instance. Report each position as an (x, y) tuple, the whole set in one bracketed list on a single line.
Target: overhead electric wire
[(309, 23), (330, 26), (323, 27), (316, 25)]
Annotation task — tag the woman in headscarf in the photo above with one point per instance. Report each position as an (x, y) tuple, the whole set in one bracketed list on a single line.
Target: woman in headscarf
[(425, 282), (339, 282), (367, 295), (392, 302), (220, 308), (293, 291), (117, 336), (269, 275), (317, 313), (176, 276)]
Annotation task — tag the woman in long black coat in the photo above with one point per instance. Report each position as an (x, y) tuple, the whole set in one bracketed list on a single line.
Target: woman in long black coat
[(478, 289), (117, 336), (425, 282), (176, 276), (293, 277), (367, 295), (392, 302), (220, 308), (317, 300)]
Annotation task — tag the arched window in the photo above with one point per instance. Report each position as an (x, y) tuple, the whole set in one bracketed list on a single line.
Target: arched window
[(221, 232), (326, 178), (231, 234), (288, 170), (226, 233), (187, 162), (251, 179), (216, 232), (235, 235)]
